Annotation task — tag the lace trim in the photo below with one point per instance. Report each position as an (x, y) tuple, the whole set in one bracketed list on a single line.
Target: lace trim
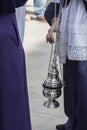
[(77, 53)]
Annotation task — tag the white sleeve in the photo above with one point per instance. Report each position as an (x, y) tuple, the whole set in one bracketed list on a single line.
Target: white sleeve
[(57, 1)]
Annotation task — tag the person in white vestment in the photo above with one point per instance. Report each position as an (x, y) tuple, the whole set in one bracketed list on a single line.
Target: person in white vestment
[(72, 51)]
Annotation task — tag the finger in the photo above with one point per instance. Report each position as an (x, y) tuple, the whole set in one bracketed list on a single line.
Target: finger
[(58, 34), (49, 39)]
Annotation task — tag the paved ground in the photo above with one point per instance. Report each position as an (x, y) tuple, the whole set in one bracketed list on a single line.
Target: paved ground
[(37, 59)]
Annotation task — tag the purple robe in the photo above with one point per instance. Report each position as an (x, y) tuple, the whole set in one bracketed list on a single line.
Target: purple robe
[(14, 105), (8, 6)]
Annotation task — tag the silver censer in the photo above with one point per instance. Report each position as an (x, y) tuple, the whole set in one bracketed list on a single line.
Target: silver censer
[(52, 85)]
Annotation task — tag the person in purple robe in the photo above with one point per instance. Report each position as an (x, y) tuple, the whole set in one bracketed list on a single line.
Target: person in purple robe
[(14, 104), (72, 51)]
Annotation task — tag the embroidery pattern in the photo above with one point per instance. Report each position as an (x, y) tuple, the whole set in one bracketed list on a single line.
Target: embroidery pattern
[(77, 52)]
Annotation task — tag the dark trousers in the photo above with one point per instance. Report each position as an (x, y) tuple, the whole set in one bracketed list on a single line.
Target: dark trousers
[(75, 94)]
